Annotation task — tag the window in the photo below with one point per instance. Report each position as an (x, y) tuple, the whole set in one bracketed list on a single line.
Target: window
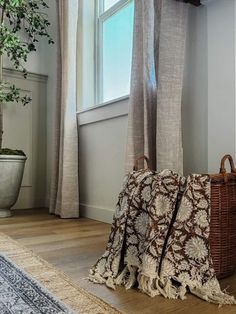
[(105, 51), (114, 40)]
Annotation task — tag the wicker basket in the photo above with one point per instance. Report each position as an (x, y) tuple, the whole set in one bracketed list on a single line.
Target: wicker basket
[(223, 220)]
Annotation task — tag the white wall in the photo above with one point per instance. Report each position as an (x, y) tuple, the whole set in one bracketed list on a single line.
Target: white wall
[(195, 94), (221, 81), (209, 91), (102, 159)]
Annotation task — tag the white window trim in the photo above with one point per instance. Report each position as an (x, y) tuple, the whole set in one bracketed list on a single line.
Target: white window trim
[(104, 104), (114, 109)]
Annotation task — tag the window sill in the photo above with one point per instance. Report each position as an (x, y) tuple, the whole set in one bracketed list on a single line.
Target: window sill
[(109, 110)]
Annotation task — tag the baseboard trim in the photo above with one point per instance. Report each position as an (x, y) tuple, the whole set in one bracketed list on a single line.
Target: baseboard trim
[(96, 213)]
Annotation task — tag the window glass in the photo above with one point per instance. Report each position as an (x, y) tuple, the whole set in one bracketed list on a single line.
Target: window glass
[(109, 3), (117, 52)]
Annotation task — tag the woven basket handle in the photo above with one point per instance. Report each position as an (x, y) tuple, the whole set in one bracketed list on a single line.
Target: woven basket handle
[(222, 166), (135, 168)]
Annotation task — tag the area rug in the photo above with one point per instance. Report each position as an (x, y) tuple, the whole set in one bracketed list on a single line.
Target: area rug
[(29, 284), (19, 293)]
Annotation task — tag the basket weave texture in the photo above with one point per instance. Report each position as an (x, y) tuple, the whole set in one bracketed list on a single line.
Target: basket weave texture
[(223, 220)]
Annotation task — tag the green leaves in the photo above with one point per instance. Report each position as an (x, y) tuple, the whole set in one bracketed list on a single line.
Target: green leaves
[(8, 151), (10, 93), (13, 47), (22, 24)]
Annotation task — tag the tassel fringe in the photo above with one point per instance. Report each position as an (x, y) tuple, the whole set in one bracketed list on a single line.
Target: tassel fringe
[(218, 297), (155, 286)]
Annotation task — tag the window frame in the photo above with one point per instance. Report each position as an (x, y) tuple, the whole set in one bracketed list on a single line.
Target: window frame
[(100, 17)]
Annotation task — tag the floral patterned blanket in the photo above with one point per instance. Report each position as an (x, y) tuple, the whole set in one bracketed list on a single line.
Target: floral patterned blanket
[(159, 238)]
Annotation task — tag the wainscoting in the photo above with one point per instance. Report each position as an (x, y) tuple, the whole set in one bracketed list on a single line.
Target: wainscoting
[(25, 129)]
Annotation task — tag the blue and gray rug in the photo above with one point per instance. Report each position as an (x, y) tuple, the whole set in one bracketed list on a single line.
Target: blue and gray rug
[(20, 294)]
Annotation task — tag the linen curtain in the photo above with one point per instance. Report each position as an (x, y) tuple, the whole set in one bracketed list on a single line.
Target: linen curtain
[(154, 123), (64, 196)]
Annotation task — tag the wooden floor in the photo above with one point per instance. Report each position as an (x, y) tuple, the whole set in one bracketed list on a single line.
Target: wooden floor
[(73, 245)]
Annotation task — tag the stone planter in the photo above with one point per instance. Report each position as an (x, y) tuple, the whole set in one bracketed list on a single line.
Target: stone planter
[(11, 174)]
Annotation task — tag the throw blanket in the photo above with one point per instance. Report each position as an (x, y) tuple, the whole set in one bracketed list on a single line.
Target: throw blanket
[(159, 238)]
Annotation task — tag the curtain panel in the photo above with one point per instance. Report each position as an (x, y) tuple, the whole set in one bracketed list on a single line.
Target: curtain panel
[(154, 122), (64, 196)]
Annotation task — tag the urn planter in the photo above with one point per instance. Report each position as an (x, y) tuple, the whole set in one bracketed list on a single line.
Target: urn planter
[(11, 174)]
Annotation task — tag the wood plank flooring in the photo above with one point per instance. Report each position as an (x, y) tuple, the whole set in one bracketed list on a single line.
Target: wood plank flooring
[(73, 245)]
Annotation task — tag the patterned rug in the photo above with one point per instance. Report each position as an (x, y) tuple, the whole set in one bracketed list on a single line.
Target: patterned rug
[(19, 293), (30, 285)]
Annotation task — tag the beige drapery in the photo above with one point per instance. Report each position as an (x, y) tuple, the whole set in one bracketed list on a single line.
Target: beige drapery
[(64, 196), (154, 126)]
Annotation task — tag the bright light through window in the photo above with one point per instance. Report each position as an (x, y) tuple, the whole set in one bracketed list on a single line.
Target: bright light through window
[(109, 3), (117, 39)]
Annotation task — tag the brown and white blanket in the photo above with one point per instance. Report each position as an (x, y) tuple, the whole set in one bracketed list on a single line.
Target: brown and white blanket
[(159, 238)]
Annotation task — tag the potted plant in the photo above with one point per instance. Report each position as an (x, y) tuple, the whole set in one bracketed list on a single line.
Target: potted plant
[(22, 24)]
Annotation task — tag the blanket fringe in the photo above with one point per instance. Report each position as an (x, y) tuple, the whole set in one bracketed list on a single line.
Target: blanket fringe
[(209, 294), (126, 278), (182, 291), (212, 295), (132, 277), (96, 278), (153, 286), (170, 290), (218, 297), (120, 279), (149, 285)]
